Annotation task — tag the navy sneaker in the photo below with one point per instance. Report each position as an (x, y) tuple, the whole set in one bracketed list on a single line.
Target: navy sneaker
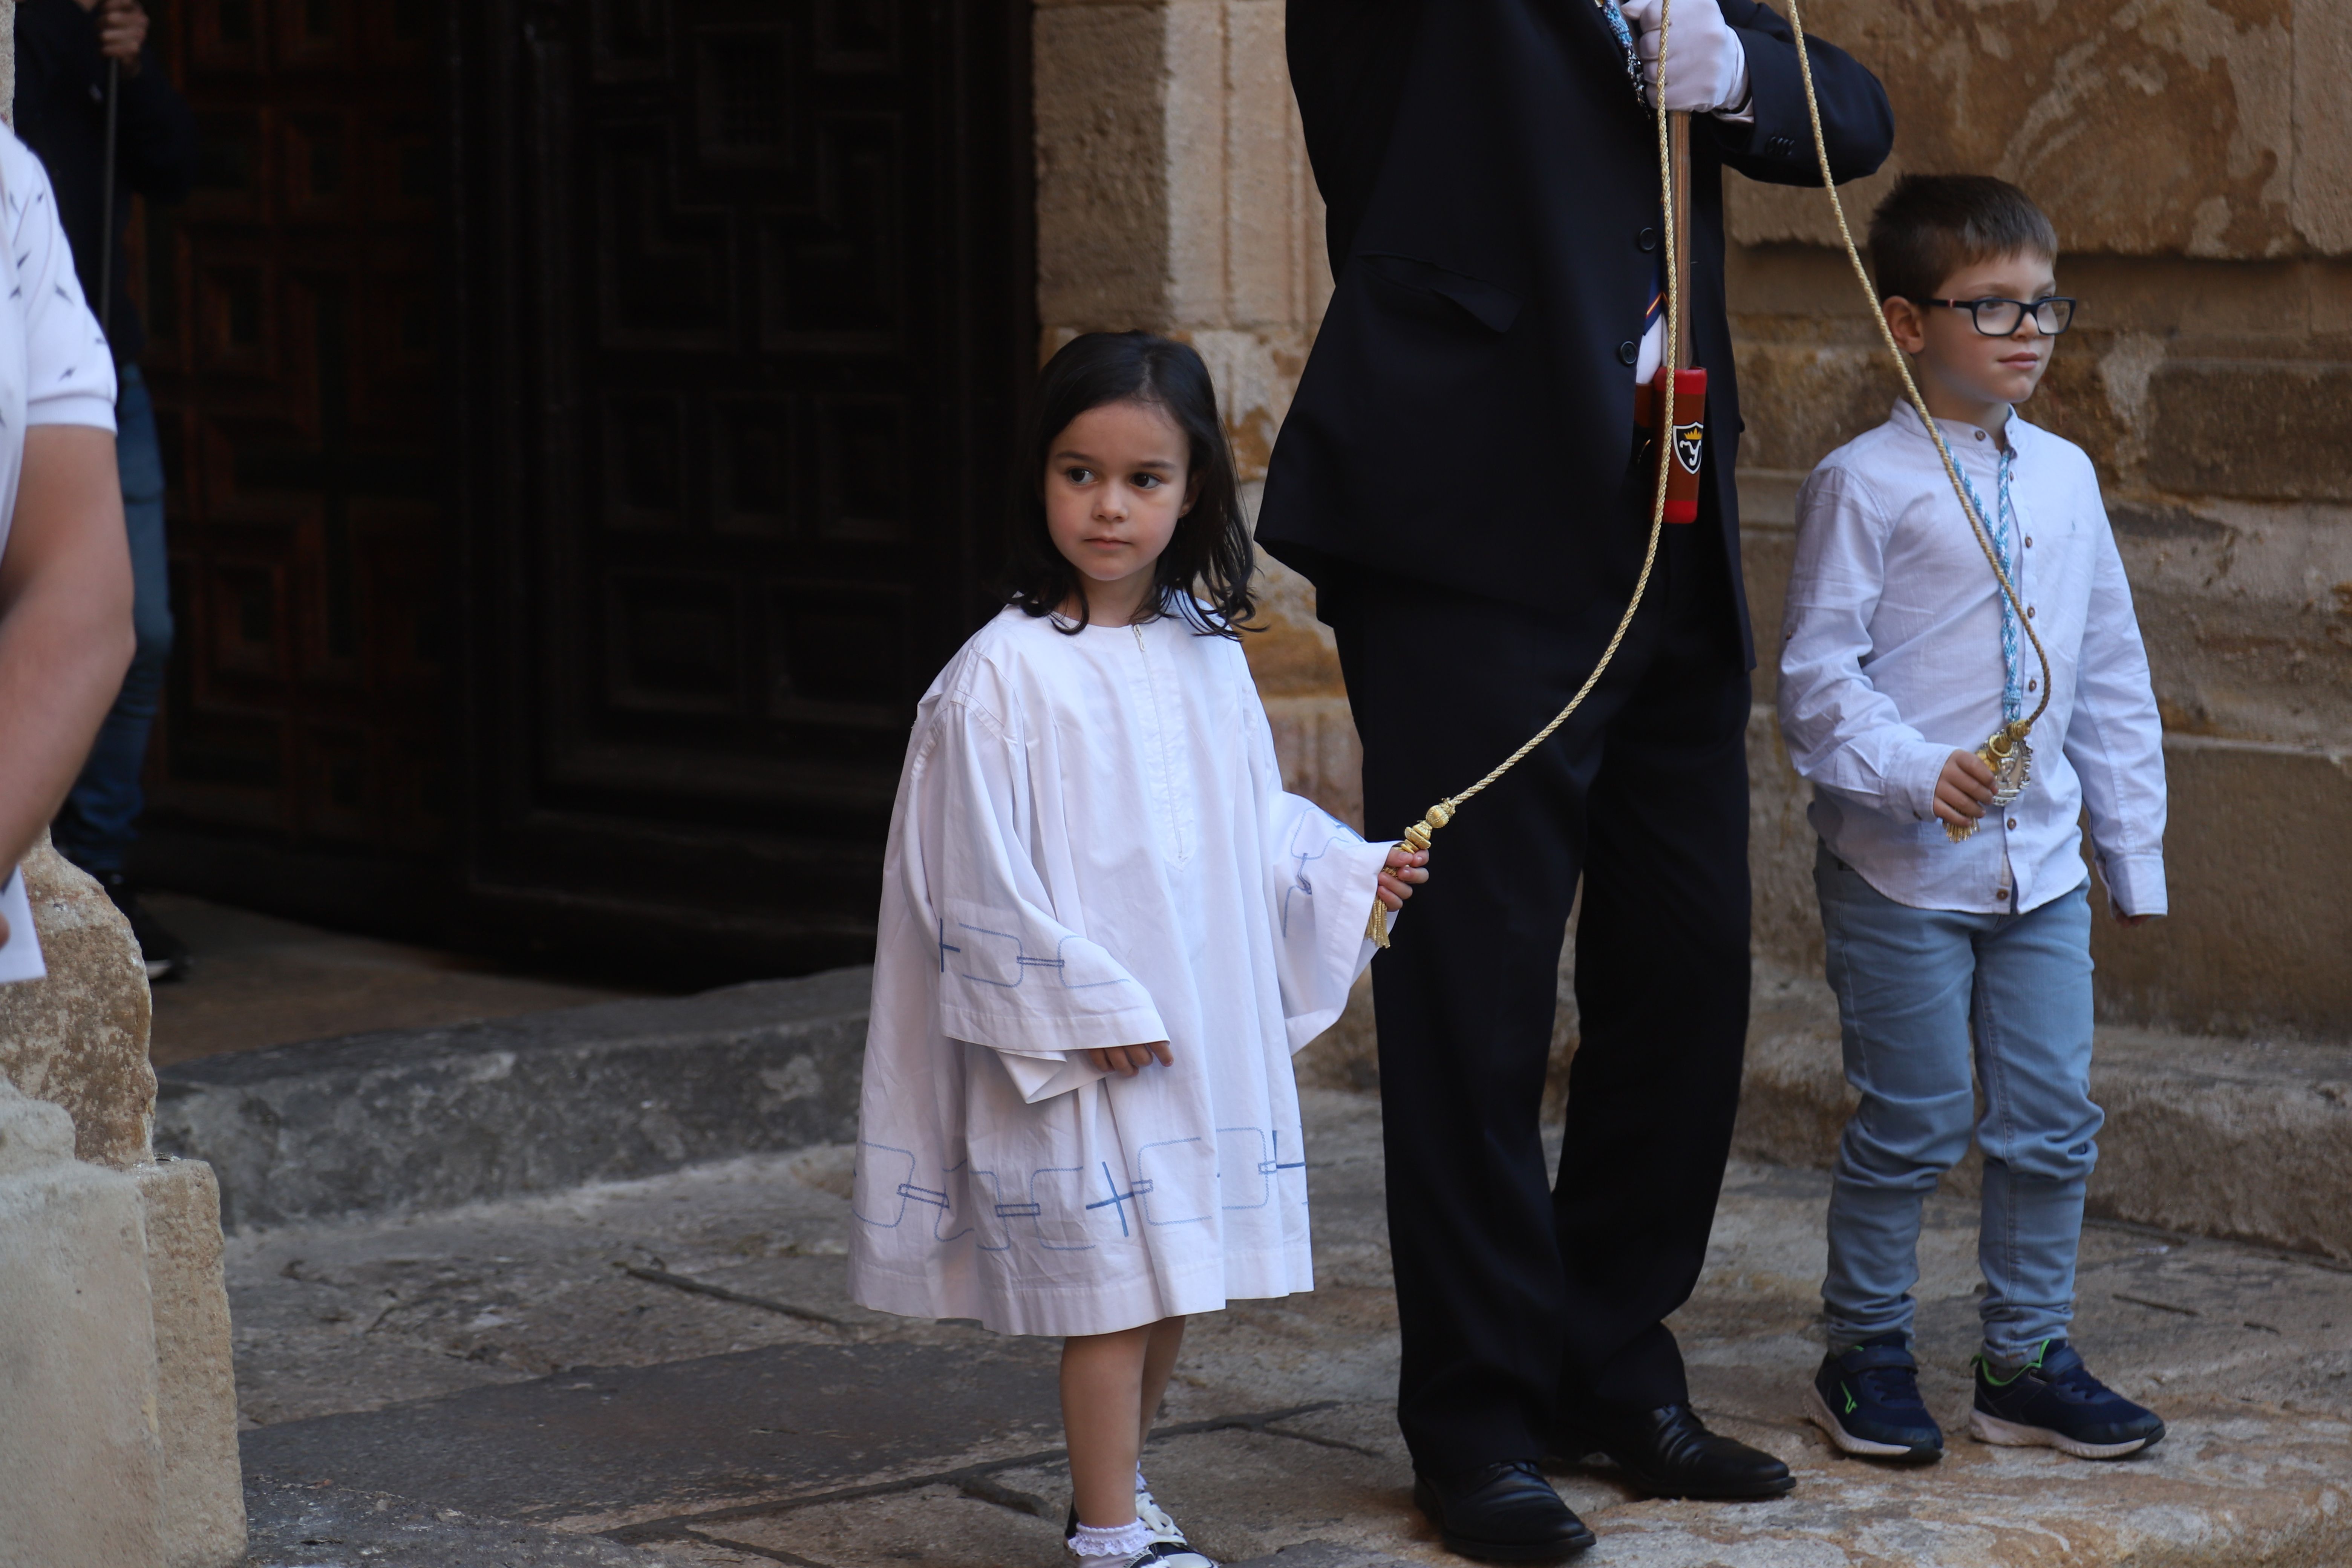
[(2054, 1402), (1867, 1400)]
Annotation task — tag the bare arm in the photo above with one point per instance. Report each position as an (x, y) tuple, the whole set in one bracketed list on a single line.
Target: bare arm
[(65, 622)]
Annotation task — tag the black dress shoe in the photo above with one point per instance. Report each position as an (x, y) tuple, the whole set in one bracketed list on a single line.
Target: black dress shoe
[(1501, 1513), (1668, 1453)]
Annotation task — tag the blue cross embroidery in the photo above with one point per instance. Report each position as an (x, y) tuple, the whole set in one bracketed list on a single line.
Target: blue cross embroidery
[(1116, 1199)]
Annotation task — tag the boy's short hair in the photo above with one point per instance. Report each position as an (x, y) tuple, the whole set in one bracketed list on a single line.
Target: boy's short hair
[(1931, 226)]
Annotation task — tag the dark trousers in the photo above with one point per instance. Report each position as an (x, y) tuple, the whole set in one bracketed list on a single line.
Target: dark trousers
[(1521, 1301)]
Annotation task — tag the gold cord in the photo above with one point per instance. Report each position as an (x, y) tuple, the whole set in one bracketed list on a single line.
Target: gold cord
[(1438, 815)]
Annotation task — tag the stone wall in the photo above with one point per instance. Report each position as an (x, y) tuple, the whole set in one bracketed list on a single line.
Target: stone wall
[(2197, 156)]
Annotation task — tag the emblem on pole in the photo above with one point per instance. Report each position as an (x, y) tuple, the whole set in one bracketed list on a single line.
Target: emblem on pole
[(1689, 439)]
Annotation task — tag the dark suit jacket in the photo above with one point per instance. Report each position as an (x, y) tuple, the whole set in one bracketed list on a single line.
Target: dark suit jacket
[(1466, 417)]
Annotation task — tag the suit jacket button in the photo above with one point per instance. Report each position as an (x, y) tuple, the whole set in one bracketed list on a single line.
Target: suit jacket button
[(1648, 239), (1629, 351)]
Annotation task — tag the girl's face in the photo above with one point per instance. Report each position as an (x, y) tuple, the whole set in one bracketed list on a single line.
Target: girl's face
[(1117, 479)]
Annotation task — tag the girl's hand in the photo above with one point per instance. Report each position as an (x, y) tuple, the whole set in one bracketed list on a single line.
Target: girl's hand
[(1401, 876), (1128, 1060)]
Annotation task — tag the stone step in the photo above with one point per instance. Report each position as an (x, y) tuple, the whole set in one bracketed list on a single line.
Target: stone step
[(2246, 1139), (2250, 1139), (428, 1119)]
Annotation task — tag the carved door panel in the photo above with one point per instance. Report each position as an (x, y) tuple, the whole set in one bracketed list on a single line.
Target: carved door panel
[(291, 304), (746, 321)]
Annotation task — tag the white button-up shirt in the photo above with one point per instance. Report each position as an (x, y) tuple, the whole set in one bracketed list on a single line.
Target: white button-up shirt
[(1892, 662)]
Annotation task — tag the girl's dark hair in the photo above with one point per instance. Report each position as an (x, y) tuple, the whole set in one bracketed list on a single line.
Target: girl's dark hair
[(1204, 574)]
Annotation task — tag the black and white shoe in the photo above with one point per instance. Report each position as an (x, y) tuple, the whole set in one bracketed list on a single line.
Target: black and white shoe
[(1163, 1524)]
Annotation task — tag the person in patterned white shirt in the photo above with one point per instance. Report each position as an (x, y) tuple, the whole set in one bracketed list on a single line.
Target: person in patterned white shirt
[(65, 568), (1958, 926)]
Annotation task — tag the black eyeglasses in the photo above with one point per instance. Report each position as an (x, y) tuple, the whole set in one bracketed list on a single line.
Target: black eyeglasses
[(2000, 318)]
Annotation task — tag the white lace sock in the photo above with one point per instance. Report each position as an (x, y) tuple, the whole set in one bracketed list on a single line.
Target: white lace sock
[(1114, 1547)]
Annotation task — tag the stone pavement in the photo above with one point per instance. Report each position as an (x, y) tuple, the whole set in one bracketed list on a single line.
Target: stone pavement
[(536, 1382)]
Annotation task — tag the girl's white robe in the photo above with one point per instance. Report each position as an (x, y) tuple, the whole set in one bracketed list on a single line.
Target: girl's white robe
[(1092, 846)]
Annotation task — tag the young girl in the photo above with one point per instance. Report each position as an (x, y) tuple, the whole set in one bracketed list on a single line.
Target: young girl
[(1105, 928)]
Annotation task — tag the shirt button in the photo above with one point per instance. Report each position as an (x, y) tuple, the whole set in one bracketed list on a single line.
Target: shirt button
[(1980, 435), (2012, 822), (2028, 612), (1629, 351), (1648, 239), (2029, 542), (2031, 684)]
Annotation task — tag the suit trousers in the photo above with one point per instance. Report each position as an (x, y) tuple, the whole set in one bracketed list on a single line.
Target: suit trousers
[(1521, 1301)]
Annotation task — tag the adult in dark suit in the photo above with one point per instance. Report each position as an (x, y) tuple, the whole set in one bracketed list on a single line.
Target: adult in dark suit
[(1460, 477)]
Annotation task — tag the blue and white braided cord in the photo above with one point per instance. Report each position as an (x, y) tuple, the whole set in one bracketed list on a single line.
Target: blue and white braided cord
[(2003, 527)]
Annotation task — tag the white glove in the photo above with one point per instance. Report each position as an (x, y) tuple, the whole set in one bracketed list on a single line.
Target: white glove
[(1707, 68)]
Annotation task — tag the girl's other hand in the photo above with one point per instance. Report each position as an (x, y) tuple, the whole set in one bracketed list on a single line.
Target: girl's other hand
[(1128, 1060), (1403, 873)]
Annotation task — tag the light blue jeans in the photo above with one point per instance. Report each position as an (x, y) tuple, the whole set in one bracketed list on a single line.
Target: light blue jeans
[(1920, 994)]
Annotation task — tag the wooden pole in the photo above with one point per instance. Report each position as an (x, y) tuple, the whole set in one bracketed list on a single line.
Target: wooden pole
[(1678, 131)]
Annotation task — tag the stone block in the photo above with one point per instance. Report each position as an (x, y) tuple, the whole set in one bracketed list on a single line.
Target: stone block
[(1100, 76), (2262, 922), (79, 1037), (2259, 431), (1196, 149), (81, 1462), (2240, 1138), (2247, 612), (195, 1393)]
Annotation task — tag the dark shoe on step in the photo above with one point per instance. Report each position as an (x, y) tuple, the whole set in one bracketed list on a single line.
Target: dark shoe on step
[(1669, 1453), (166, 955), (1867, 1400), (1501, 1513)]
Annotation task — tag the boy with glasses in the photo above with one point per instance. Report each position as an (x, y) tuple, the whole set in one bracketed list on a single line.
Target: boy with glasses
[(1902, 653)]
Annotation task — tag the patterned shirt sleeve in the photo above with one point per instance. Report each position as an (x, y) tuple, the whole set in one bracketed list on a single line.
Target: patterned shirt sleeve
[(71, 368)]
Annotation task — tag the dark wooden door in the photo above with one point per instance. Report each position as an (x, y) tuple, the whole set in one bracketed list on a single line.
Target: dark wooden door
[(745, 319), (293, 312)]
